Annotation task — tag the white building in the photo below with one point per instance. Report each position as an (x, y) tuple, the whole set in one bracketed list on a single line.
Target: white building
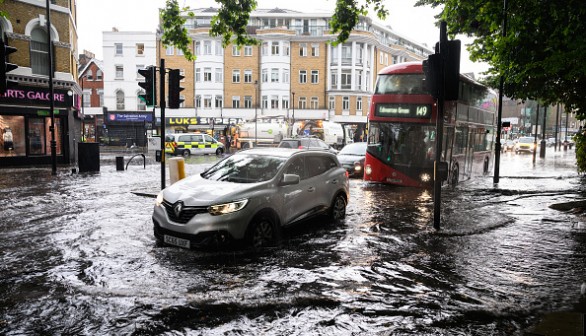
[(124, 54)]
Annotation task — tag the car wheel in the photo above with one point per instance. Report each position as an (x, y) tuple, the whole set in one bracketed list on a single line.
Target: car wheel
[(245, 145), (186, 153), (338, 208), (262, 231), (219, 151)]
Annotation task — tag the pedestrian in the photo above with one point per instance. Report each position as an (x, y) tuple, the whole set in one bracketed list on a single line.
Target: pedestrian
[(228, 143)]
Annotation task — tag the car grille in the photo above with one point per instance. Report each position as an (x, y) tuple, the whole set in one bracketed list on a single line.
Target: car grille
[(186, 214)]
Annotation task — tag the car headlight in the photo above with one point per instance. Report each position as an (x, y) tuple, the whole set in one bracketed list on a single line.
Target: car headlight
[(425, 177), (226, 208), (159, 200)]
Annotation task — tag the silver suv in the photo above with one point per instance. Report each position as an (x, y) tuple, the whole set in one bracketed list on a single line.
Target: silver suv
[(250, 196)]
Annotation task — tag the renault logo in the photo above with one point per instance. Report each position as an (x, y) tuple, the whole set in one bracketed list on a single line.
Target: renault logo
[(177, 208)]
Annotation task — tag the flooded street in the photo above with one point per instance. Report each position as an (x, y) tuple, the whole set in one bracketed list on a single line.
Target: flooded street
[(79, 258)]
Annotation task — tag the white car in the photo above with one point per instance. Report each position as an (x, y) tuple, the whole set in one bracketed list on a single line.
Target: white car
[(250, 196)]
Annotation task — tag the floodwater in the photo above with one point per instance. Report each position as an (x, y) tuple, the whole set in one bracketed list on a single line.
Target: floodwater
[(79, 258)]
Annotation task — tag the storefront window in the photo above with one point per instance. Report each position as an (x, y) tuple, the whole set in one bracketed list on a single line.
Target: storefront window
[(12, 137)]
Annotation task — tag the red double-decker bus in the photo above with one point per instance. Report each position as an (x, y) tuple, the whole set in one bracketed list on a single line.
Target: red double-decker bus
[(402, 129)]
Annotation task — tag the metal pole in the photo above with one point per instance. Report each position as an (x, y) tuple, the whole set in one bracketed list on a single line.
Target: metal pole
[(557, 126), (82, 109), (497, 147), (255, 113), (542, 149), (162, 104), (51, 98), (535, 134), (437, 183)]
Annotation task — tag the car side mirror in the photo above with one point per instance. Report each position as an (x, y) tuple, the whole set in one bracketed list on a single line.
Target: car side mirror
[(289, 179)]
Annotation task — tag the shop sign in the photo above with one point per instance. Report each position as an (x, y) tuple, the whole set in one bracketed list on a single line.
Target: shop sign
[(35, 96), (44, 113), (130, 117), (201, 121)]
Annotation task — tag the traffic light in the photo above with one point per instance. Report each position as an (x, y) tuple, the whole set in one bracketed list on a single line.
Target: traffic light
[(174, 88), (452, 74), (149, 85), (6, 67), (432, 71)]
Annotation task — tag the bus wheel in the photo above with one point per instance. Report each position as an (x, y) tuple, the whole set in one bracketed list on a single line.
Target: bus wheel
[(485, 165), (186, 153), (455, 176)]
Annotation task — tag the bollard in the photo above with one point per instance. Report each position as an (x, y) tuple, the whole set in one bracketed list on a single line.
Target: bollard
[(120, 163), (176, 169)]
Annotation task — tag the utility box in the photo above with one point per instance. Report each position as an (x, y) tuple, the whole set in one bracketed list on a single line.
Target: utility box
[(88, 154)]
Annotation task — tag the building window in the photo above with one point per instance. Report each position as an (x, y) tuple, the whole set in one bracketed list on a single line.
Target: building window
[(235, 101), (247, 76), (120, 100), (265, 48), (381, 58), (207, 102), (314, 76), (140, 49), (170, 51), (314, 103), (358, 104), (247, 101), (119, 72), (303, 49), (285, 48), (207, 74), (302, 76), (274, 102), (247, 50), (198, 101), (89, 75), (235, 76), (334, 79), (285, 75), (346, 79), (275, 48), (219, 102), (302, 102), (347, 54), (99, 75), (265, 75), (345, 103), (235, 51), (219, 49), (198, 48), (179, 53), (118, 49), (219, 75), (285, 102), (265, 102), (87, 96), (39, 49), (198, 75), (314, 49), (274, 75), (101, 97), (207, 47), (332, 103)]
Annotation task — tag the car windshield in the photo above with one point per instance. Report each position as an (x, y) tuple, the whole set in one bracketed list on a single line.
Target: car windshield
[(526, 140), (245, 168), (358, 148)]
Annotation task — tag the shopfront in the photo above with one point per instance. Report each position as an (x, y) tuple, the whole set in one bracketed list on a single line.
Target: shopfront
[(25, 126), (126, 128), (211, 126)]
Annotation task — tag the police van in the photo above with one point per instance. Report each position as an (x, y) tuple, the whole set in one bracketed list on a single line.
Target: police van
[(187, 144)]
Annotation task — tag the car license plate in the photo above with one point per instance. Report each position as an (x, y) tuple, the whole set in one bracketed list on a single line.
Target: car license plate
[(176, 241)]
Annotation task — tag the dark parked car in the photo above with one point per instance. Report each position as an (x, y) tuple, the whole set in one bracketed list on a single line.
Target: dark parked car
[(351, 157), (307, 143), (250, 196)]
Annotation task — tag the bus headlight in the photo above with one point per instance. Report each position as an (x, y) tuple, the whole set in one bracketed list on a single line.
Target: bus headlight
[(368, 170), (425, 177)]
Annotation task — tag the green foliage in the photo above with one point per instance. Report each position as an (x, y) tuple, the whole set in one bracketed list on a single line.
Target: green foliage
[(542, 57), (232, 19), (174, 33), (580, 141)]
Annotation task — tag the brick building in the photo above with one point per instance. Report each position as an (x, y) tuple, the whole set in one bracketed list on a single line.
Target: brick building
[(25, 109)]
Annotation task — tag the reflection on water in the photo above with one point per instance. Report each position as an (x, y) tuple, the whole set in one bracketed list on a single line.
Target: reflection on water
[(79, 258)]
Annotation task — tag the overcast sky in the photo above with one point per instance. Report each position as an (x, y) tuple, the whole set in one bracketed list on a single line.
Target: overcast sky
[(97, 16)]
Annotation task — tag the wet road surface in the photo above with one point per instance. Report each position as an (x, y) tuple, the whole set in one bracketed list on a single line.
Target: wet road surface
[(79, 258)]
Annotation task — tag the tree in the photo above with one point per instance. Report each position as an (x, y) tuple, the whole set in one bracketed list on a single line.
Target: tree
[(542, 56)]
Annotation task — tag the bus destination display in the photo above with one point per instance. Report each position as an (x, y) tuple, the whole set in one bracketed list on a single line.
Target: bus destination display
[(403, 110)]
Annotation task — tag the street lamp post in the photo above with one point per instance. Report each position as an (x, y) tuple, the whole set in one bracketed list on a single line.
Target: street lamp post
[(82, 110), (293, 105)]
